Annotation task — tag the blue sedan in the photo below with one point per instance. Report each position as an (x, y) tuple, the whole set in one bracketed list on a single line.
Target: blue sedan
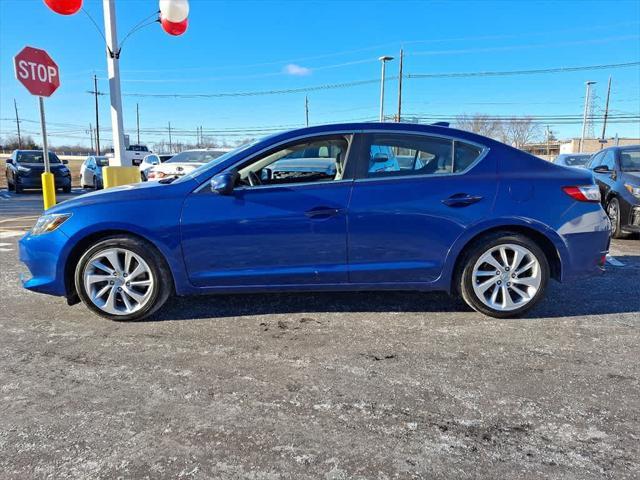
[(311, 210)]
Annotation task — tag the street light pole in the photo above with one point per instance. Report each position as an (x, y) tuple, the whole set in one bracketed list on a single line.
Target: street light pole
[(113, 67), (384, 59)]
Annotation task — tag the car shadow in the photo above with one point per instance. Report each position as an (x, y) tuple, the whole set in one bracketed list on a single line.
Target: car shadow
[(617, 291)]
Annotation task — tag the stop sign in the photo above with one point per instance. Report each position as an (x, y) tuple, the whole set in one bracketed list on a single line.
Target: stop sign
[(37, 71)]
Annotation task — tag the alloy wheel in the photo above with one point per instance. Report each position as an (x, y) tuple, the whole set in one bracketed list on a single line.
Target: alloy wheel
[(612, 212), (118, 281), (506, 277)]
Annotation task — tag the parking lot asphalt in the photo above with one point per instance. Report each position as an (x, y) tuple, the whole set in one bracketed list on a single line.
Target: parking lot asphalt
[(331, 386)]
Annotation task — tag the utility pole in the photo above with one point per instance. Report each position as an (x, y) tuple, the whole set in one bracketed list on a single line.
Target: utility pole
[(306, 109), (15, 105), (399, 119), (138, 122), (113, 67), (606, 113), (548, 135), (587, 109), (95, 93), (384, 59), (170, 145), (91, 136)]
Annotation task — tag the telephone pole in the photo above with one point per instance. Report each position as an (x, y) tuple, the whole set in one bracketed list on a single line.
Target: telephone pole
[(91, 135), (606, 112), (399, 119), (95, 94), (170, 144), (306, 109), (15, 105), (138, 121), (548, 135)]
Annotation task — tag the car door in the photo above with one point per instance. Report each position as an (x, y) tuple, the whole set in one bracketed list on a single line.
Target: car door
[(291, 230), (402, 223)]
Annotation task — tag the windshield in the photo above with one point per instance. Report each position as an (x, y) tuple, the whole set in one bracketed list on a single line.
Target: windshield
[(137, 148), (36, 157), (102, 161), (195, 156), (630, 160), (576, 160), (218, 160)]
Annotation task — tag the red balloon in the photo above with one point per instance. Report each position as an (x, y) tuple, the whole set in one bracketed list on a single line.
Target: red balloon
[(64, 7), (174, 28)]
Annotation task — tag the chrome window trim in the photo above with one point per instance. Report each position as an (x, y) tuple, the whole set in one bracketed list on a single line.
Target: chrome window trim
[(483, 154)]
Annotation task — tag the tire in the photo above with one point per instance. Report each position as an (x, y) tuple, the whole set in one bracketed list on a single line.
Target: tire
[(66, 189), (10, 186), (122, 301), (613, 212), (17, 187), (477, 266), (95, 183)]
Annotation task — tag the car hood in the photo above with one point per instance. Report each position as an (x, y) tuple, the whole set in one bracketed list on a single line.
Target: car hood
[(137, 192)]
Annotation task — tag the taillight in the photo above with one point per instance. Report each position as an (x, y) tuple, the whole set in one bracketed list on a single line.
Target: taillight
[(155, 175), (583, 193)]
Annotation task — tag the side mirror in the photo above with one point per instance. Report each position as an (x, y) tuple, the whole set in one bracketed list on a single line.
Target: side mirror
[(10, 161), (380, 158), (223, 183), (65, 162), (602, 169)]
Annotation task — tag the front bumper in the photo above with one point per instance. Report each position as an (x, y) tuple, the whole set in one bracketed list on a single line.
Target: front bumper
[(633, 217), (42, 255), (36, 182)]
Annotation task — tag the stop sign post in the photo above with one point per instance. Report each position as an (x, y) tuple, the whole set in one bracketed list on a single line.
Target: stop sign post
[(40, 75)]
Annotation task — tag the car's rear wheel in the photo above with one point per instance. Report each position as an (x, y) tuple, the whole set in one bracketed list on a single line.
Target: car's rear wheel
[(123, 278), (613, 212), (504, 275)]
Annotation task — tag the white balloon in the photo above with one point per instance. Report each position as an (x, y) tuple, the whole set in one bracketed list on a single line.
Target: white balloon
[(174, 10)]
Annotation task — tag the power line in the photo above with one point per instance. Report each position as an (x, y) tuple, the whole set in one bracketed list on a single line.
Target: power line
[(340, 85)]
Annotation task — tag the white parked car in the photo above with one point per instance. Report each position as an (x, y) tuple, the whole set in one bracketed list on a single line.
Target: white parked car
[(184, 162), (151, 161), (91, 171)]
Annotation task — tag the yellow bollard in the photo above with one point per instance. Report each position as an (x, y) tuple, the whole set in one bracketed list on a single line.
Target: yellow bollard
[(48, 190), (116, 176)]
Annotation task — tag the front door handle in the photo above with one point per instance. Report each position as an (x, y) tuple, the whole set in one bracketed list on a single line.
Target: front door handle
[(461, 200), (322, 212)]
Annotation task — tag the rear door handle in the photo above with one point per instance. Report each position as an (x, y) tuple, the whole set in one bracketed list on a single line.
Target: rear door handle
[(461, 200), (322, 212)]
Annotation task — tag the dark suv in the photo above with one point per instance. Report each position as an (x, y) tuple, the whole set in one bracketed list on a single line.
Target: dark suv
[(617, 172), (25, 167)]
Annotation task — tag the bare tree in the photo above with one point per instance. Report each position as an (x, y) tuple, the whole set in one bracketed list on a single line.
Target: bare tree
[(11, 143), (518, 131), (481, 124)]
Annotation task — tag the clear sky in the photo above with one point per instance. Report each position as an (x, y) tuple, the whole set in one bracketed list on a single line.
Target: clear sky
[(255, 46)]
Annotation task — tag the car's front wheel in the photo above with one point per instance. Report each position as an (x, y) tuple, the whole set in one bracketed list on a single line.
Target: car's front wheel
[(504, 275), (613, 212), (123, 278)]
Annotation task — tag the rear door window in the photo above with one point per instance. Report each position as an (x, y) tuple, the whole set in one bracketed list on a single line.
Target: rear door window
[(394, 155)]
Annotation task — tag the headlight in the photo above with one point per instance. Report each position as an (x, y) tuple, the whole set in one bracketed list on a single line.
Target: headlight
[(49, 222), (22, 169), (633, 189)]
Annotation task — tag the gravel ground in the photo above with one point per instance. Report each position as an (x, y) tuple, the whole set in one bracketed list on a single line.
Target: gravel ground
[(329, 386)]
